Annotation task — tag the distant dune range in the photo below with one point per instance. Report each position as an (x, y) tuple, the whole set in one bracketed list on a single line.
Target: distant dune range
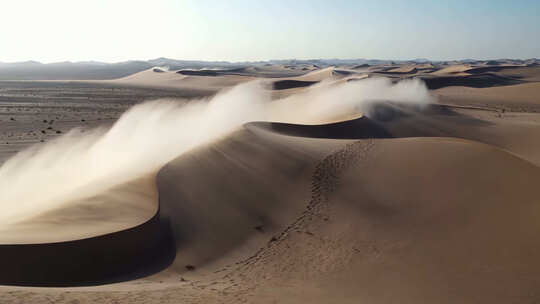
[(435, 203), (435, 78)]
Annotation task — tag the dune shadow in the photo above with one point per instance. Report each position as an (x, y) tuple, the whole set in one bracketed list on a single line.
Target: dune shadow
[(487, 69), (383, 120), (290, 84), (475, 81), (353, 129), (205, 72), (387, 72), (115, 257)]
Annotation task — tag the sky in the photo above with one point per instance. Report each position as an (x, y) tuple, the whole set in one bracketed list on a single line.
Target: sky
[(244, 30)]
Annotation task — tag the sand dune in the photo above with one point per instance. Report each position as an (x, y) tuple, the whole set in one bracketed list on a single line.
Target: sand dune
[(361, 66), (213, 80), (196, 238), (174, 80), (311, 228), (106, 189), (436, 77), (119, 208), (521, 73), (401, 70), (453, 69), (252, 217), (497, 68), (406, 202), (475, 81), (520, 98), (411, 229), (317, 75), (410, 240)]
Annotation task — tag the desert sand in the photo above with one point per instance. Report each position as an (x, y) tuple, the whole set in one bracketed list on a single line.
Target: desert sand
[(391, 202)]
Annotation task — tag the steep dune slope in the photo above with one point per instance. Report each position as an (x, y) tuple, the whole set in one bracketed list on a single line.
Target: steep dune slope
[(203, 194), (445, 232)]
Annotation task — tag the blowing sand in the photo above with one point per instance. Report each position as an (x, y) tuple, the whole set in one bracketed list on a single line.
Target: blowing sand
[(307, 188)]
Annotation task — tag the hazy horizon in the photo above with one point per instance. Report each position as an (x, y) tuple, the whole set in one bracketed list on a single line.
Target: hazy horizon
[(238, 31), (267, 60)]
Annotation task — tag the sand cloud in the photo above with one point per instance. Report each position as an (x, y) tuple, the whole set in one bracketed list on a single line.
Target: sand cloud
[(83, 164)]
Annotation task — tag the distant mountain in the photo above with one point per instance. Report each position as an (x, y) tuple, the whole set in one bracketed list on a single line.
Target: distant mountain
[(467, 60), (32, 70), (85, 70), (23, 63), (183, 64)]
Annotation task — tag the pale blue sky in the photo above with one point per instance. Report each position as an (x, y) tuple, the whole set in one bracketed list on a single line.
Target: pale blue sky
[(238, 30)]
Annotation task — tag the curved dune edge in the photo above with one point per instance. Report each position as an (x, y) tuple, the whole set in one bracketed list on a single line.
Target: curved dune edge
[(114, 236), (118, 256), (480, 80), (358, 128), (114, 257), (119, 208)]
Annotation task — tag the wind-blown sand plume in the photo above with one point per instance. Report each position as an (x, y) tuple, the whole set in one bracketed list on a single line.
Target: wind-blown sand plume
[(118, 208), (150, 134), (138, 144), (329, 102)]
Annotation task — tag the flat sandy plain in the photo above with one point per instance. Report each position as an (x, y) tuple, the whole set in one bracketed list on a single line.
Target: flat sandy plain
[(439, 204)]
